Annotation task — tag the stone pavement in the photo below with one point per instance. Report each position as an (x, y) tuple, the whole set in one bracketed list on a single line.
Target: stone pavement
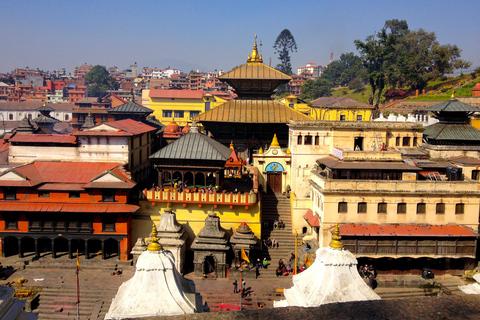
[(98, 286)]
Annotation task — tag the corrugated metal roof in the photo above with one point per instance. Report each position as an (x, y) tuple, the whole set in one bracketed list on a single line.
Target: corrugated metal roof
[(67, 207), (333, 163), (44, 138), (176, 94), (131, 107), (465, 160), (445, 131), (61, 187), (252, 111), (405, 230), (254, 71), (132, 126), (339, 102), (33, 106), (453, 105), (195, 146), (103, 133)]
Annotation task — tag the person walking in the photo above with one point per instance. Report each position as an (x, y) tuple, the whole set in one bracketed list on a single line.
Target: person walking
[(243, 287), (265, 263), (235, 286)]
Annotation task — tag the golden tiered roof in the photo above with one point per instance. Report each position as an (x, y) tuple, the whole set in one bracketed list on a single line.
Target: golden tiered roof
[(252, 111)]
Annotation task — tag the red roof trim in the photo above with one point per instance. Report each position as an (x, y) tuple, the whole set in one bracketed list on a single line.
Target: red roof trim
[(405, 230), (312, 219), (67, 207)]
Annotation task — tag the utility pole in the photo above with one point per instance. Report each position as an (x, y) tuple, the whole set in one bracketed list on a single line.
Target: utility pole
[(296, 253)]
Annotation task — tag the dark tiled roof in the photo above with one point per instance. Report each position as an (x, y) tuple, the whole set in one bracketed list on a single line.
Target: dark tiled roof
[(340, 102), (443, 131), (33, 106), (453, 105), (45, 108), (194, 146), (45, 120), (465, 160), (130, 107), (252, 111)]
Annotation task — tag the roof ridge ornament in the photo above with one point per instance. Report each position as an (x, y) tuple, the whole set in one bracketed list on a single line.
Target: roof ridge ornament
[(255, 56), (336, 243), (275, 143)]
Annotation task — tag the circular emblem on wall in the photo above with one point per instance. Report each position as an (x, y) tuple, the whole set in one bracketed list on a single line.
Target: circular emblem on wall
[(275, 152)]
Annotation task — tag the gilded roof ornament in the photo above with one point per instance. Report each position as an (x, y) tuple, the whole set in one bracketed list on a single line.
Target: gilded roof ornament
[(154, 245), (336, 243), (255, 56), (453, 95), (275, 143), (260, 151), (231, 145), (288, 151)]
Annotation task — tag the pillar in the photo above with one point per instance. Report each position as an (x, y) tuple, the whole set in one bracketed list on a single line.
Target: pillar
[(103, 249), (87, 254), (160, 178), (37, 254), (20, 252), (70, 255), (119, 249), (54, 254)]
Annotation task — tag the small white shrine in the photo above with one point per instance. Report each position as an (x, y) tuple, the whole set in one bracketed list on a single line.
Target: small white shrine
[(156, 289), (333, 277)]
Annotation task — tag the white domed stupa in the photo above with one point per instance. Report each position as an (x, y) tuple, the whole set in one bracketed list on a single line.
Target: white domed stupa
[(333, 277), (156, 289)]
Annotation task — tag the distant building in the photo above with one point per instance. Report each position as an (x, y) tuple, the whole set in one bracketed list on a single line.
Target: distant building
[(82, 71), (311, 69)]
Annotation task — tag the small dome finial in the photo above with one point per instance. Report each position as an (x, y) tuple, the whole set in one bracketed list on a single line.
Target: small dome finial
[(275, 143), (453, 94), (231, 145), (336, 243), (154, 245), (260, 151)]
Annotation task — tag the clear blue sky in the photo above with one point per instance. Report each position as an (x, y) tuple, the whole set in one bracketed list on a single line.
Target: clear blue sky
[(209, 35)]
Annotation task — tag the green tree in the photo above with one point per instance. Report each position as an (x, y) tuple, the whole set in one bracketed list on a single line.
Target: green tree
[(340, 72), (285, 44), (356, 84), (99, 81), (313, 89), (398, 57)]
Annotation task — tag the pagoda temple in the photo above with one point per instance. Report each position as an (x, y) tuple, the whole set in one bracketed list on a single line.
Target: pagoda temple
[(333, 277), (253, 117)]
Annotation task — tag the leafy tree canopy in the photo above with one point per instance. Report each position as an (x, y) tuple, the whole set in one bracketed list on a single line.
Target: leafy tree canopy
[(99, 81), (285, 44), (312, 90), (398, 57), (341, 72)]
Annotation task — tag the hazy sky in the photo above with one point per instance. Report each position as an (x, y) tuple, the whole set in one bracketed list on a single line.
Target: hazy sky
[(209, 35)]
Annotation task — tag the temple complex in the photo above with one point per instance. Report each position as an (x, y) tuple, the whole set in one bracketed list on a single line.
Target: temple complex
[(333, 277), (210, 248), (253, 117), (156, 289)]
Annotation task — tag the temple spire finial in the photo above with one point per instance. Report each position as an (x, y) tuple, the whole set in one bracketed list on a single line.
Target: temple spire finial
[(154, 245), (336, 243), (453, 94), (231, 145), (255, 56)]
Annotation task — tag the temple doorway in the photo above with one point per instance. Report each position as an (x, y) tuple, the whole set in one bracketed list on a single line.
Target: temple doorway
[(209, 265), (274, 180)]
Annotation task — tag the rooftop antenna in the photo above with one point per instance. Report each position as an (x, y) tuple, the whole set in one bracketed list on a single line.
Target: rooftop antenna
[(270, 63)]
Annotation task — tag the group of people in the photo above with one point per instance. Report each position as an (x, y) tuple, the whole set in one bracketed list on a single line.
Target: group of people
[(283, 269), (368, 272), (235, 287), (271, 243), (273, 224)]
